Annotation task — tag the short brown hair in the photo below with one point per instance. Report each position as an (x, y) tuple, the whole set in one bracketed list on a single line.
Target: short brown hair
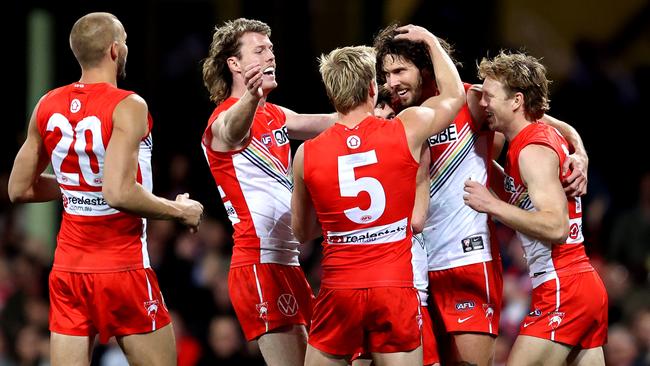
[(347, 74), (92, 35), (226, 42), (520, 73)]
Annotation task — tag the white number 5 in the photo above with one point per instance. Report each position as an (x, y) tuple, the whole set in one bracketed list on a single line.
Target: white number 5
[(351, 187)]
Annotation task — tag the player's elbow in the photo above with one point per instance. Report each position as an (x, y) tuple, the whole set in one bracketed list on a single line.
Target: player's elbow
[(299, 232), (114, 196), (16, 195), (559, 232), (417, 225)]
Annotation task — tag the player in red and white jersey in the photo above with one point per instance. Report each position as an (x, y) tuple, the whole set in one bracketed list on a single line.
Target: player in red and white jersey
[(568, 318), (460, 254), (246, 144), (98, 139), (346, 189)]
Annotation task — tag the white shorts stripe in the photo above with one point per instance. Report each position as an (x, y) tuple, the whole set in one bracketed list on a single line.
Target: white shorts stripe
[(259, 292), (557, 302), (487, 293), (153, 320)]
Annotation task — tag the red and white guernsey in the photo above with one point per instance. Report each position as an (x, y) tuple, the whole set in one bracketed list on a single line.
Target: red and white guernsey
[(546, 261), (255, 184), (362, 183), (76, 123), (455, 234)]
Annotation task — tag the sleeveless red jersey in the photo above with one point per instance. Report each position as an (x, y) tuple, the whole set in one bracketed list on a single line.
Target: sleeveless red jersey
[(76, 122), (546, 260), (362, 183), (255, 185)]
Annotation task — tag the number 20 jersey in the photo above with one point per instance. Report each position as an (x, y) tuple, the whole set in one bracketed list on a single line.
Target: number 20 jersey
[(362, 183), (76, 122)]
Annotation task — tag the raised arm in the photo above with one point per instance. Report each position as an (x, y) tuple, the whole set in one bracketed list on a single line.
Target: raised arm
[(575, 184), (307, 126), (440, 110), (26, 181), (233, 126), (549, 222), (304, 222), (120, 188)]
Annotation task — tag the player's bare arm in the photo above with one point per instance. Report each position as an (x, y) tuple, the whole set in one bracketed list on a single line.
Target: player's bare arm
[(539, 168), (303, 216), (575, 184), (307, 126), (232, 128), (446, 105), (27, 183), (120, 188), (422, 184)]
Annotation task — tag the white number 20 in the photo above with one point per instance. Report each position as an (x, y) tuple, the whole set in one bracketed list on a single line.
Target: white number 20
[(351, 187), (90, 124)]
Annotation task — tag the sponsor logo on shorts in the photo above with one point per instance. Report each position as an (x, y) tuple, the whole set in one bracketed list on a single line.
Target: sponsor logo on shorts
[(288, 305), (535, 312), (555, 319), (489, 311), (152, 308), (263, 310), (472, 243), (465, 305), (463, 320)]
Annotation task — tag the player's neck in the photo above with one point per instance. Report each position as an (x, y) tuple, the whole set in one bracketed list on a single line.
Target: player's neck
[(515, 126), (355, 116), (98, 75)]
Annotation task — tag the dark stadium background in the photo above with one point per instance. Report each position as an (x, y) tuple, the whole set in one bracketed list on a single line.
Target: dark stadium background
[(597, 53)]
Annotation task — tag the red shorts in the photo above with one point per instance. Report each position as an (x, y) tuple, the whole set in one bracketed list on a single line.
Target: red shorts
[(379, 319), (429, 346), (571, 310), (108, 304), (468, 298), (269, 296)]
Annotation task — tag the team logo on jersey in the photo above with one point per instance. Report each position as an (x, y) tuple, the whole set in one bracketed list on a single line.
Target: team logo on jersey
[(65, 201), (574, 231), (447, 135), (353, 142), (281, 136), (489, 311), (152, 308), (263, 310), (288, 305), (75, 105), (267, 140), (555, 319), (465, 305)]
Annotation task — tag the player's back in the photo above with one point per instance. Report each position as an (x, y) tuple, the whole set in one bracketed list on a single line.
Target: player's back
[(362, 183), (75, 122)]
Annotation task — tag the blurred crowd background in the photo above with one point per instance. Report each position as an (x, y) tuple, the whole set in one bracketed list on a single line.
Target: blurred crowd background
[(597, 53)]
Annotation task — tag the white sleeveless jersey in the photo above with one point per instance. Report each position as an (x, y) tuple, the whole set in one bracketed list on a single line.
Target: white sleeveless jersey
[(420, 268), (255, 185), (455, 234)]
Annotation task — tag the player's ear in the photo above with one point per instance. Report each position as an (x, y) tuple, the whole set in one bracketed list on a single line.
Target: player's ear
[(234, 64), (517, 101)]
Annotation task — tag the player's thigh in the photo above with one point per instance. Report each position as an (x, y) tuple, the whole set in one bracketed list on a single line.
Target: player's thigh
[(410, 358), (475, 348), (284, 346), (157, 348), (67, 350), (586, 357), (537, 351), (316, 357)]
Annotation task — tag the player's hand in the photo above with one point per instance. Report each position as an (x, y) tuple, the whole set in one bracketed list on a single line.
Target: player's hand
[(477, 196), (192, 212), (253, 79), (575, 185), (414, 33)]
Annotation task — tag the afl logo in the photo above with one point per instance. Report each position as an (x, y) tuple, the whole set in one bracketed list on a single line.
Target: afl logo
[(353, 142), (75, 105)]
